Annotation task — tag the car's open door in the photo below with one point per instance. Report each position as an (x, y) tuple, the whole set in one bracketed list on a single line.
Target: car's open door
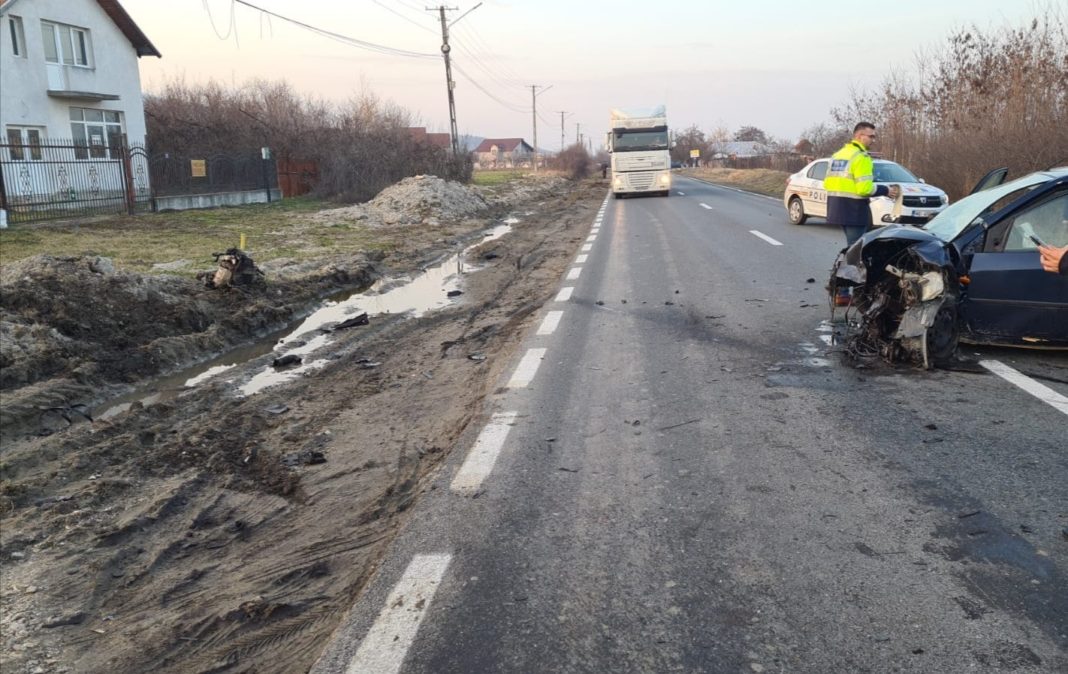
[(992, 179)]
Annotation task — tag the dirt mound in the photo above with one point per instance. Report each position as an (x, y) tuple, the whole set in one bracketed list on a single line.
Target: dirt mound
[(416, 200)]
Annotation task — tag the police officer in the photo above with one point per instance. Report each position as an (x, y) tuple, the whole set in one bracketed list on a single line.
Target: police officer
[(850, 184)]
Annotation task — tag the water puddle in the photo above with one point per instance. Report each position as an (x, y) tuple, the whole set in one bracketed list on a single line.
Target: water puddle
[(413, 296)]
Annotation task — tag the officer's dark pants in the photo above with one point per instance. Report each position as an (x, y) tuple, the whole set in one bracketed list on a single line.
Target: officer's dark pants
[(853, 215)]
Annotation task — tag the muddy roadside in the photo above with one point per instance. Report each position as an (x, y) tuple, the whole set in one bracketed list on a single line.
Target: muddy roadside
[(215, 532)]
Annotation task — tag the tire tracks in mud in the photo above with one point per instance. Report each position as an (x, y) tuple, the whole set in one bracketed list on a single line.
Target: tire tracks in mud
[(216, 556)]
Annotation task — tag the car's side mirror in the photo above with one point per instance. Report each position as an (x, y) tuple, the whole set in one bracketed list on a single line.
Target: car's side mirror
[(923, 181)]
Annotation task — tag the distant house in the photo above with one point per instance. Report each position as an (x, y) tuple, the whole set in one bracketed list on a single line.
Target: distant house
[(740, 149), (69, 75), (503, 153), (419, 134)]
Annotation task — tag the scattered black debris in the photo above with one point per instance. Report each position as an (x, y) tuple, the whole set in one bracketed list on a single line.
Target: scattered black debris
[(454, 293), (810, 280), (1026, 529), (714, 316), (676, 292), (917, 651), (683, 423), (568, 470), (636, 422), (308, 457), (353, 322), (755, 299), (490, 255), (865, 550), (367, 363), (287, 360), (670, 304), (931, 427), (968, 514), (1064, 533), (599, 303), (276, 409), (477, 357)]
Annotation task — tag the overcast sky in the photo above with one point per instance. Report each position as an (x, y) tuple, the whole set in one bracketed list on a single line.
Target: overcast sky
[(780, 66)]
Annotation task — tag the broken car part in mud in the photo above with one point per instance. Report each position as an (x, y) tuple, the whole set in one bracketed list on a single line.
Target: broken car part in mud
[(905, 296), (236, 268)]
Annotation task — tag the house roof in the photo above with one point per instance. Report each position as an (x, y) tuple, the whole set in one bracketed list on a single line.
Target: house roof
[(126, 24), (122, 19), (503, 144), (419, 134)]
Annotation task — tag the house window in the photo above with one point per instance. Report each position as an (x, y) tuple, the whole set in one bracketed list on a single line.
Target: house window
[(96, 133), (24, 142), (18, 37), (65, 44)]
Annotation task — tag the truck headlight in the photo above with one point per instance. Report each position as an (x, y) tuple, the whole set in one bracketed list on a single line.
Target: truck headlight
[(665, 178)]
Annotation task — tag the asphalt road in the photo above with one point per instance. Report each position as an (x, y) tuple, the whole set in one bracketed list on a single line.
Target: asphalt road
[(690, 478)]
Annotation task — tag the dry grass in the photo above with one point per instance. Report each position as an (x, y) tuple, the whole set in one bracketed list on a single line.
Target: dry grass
[(136, 243), (762, 181)]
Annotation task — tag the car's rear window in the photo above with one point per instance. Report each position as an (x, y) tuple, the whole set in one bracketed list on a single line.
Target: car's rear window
[(818, 170)]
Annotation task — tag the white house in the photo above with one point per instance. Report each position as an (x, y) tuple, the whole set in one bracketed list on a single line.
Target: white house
[(68, 70)]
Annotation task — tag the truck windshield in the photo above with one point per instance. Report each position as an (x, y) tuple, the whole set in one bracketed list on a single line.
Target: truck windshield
[(629, 141)]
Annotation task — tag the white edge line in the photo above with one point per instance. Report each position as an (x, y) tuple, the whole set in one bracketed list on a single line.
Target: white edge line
[(762, 235), (527, 368), (384, 648), (483, 454), (1040, 391), (564, 294), (587, 247), (573, 273), (580, 259)]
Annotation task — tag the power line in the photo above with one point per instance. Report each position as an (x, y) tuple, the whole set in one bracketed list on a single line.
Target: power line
[(406, 18), (510, 106), (351, 41)]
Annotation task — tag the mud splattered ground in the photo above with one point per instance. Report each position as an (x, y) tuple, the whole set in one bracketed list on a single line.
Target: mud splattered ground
[(219, 533)]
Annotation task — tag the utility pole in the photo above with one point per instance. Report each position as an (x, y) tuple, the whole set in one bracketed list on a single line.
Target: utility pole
[(562, 113), (577, 134), (449, 83), (534, 114)]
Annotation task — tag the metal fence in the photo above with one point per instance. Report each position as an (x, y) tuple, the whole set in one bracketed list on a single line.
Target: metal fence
[(176, 174), (63, 179), (52, 179)]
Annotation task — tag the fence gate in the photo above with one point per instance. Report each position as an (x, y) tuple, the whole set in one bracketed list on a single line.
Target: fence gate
[(53, 179)]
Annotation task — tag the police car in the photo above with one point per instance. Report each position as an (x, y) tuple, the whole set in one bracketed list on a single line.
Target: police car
[(805, 196)]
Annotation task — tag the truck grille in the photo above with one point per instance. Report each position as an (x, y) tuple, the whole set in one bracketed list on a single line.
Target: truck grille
[(640, 181)]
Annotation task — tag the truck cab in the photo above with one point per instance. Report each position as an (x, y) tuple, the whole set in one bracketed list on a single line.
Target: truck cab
[(639, 145)]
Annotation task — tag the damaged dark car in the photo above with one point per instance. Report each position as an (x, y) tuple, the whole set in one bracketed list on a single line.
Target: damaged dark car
[(970, 274)]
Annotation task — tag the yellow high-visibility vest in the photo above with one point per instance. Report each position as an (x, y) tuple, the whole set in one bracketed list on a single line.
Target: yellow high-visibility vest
[(850, 174)]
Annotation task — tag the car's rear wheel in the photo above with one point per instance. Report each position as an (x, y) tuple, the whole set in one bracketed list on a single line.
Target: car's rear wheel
[(796, 211)]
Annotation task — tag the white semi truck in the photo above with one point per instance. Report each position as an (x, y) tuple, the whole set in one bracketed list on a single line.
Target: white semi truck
[(640, 146)]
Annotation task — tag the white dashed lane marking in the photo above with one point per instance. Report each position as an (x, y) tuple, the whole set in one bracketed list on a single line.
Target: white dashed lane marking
[(704, 205), (483, 455), (550, 322), (761, 235), (681, 194), (573, 273), (386, 644), (564, 294), (581, 258), (527, 368), (1040, 391)]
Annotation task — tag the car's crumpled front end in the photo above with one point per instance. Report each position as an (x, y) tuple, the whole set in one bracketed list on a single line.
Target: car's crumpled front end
[(905, 291)]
